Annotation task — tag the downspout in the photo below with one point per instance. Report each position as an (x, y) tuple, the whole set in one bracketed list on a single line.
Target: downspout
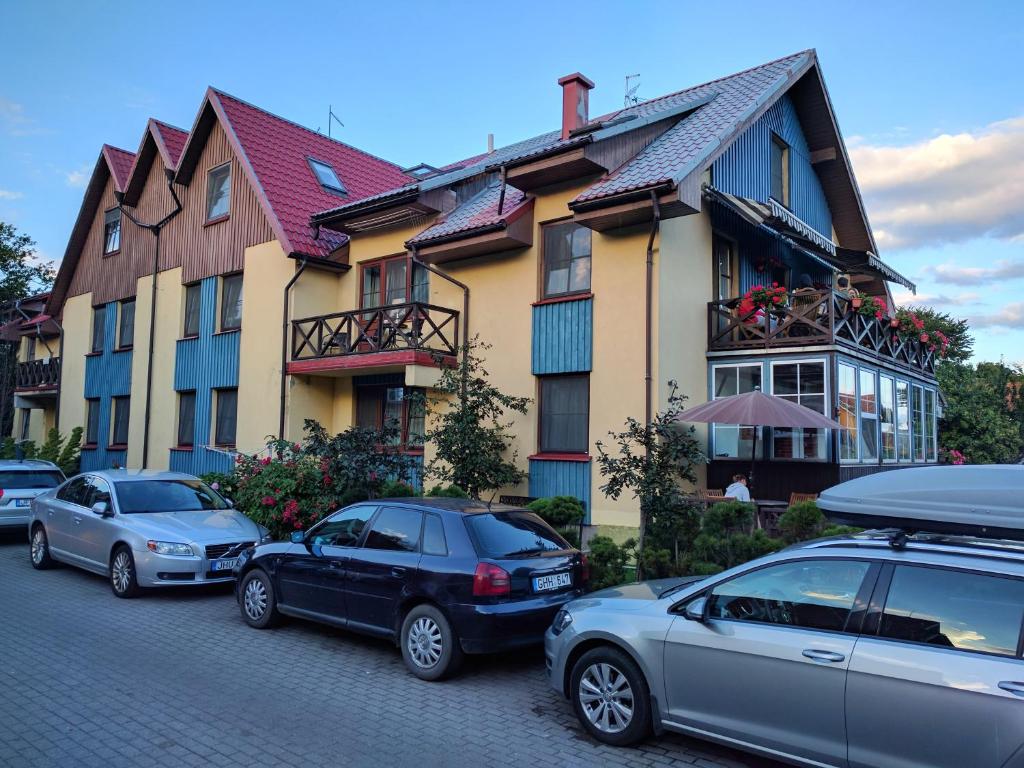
[(648, 358), (465, 307), (284, 342), (155, 229)]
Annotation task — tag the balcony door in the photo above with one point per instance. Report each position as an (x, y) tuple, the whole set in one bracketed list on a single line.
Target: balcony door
[(394, 280), (726, 271)]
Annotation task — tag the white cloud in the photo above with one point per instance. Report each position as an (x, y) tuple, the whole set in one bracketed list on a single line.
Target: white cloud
[(935, 299), (1010, 316), (6, 194), (950, 188), (79, 177), (1005, 269)]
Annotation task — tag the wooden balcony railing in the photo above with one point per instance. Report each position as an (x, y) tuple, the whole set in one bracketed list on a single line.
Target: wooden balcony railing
[(413, 326), (808, 318), (38, 374)]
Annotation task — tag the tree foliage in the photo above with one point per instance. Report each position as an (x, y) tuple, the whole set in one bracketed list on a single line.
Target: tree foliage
[(956, 331), (21, 275), (984, 413), (469, 427)]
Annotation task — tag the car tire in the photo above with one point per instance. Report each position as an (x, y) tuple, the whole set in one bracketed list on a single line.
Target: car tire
[(430, 647), (611, 697), (123, 580), (257, 601), (39, 549)]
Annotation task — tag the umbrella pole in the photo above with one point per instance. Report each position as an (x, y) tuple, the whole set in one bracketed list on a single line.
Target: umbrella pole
[(750, 480)]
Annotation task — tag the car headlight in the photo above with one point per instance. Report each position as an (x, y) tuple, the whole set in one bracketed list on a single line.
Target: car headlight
[(562, 620), (264, 534), (169, 548)]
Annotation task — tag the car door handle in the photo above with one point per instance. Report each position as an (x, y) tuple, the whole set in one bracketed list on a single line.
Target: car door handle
[(49, 513), (830, 656), (334, 564), (77, 519), (398, 573), (1013, 686)]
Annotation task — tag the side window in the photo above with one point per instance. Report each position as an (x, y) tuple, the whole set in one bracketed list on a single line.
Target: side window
[(811, 594), (397, 529), (434, 542), (95, 490), (72, 492), (343, 528), (954, 609)]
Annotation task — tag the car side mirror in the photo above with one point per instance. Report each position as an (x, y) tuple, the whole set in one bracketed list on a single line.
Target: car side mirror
[(696, 610), (102, 509), (298, 537)]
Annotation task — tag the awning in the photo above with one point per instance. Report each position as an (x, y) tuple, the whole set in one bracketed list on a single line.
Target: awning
[(859, 261)]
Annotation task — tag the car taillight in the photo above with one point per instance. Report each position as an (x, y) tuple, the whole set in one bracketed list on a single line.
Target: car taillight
[(491, 581), (584, 568)]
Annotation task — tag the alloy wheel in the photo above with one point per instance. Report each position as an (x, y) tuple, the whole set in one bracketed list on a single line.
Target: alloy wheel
[(38, 546), (606, 698), (121, 572), (255, 599), (424, 642)]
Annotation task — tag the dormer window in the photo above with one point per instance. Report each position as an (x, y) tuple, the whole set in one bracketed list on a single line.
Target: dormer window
[(327, 177), (218, 192), (111, 231), (780, 170)]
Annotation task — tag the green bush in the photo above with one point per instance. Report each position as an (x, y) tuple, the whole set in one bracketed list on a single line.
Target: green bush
[(396, 489), (563, 513), (7, 448), (608, 561), (70, 455), (447, 491), (224, 484), (803, 521)]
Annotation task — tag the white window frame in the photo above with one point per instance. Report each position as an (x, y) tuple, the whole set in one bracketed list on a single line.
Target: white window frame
[(895, 419), (861, 416), (828, 400), (712, 425), (916, 416), (910, 422), (856, 413), (209, 175)]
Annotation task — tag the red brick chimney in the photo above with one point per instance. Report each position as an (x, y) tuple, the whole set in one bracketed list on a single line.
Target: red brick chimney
[(575, 102)]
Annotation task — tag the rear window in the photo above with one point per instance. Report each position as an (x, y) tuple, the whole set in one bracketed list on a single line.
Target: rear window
[(512, 534), (35, 478)]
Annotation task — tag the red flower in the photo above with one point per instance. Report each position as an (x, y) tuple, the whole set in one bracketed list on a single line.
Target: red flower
[(878, 314), (265, 460), (269, 501), (296, 447), (775, 285), (924, 338)]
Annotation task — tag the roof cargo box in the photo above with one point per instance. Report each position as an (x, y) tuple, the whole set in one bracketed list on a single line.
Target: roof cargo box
[(985, 501)]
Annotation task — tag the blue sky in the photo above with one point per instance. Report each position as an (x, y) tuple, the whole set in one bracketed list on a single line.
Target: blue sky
[(930, 98)]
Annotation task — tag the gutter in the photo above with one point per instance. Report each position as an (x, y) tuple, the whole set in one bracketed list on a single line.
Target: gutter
[(648, 313), (284, 343), (629, 196)]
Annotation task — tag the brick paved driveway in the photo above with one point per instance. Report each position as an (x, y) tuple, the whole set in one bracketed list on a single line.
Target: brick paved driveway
[(176, 679)]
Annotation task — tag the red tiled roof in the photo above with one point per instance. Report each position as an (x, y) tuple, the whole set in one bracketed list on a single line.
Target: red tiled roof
[(173, 138), (277, 151), (478, 212), (120, 161)]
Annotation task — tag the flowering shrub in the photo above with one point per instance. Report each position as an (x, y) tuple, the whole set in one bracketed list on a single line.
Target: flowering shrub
[(909, 324), (761, 298), (873, 306), (952, 456)]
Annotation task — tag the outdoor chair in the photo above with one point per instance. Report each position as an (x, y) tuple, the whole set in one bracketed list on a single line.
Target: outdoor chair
[(796, 498)]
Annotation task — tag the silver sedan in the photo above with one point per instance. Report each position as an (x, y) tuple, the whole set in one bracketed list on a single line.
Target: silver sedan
[(140, 529)]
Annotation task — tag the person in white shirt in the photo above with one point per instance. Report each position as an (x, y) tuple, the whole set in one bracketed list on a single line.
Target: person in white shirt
[(738, 490)]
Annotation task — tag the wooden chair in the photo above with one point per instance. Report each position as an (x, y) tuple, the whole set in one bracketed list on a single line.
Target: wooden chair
[(796, 498)]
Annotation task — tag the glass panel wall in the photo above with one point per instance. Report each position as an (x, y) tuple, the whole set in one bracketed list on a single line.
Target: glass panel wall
[(731, 441), (887, 416), (847, 388), (803, 383), (903, 421)]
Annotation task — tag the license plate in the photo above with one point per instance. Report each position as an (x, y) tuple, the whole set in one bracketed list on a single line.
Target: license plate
[(22, 502), (554, 581), (223, 565)]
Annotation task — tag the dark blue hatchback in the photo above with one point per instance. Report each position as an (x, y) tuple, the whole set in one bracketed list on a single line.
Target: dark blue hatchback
[(441, 577)]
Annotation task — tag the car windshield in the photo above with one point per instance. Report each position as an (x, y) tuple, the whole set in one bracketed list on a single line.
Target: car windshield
[(34, 478), (178, 495), (513, 534)]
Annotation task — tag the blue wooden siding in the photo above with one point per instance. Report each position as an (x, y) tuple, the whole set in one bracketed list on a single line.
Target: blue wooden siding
[(563, 336), (561, 478), (744, 169), (202, 364), (107, 375)]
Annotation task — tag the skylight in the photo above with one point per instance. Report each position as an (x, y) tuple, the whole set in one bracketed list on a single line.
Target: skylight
[(327, 177)]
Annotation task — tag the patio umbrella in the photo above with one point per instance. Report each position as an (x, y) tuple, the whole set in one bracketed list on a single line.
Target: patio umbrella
[(756, 409)]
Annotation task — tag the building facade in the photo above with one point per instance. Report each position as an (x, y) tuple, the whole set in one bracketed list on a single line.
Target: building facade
[(298, 278)]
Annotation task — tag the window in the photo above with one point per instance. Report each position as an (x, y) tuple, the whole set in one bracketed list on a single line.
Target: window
[(26, 422), (917, 410), (954, 609), (227, 417), (811, 594), (343, 528), (231, 302), (566, 258), (887, 417), (16, 480), (868, 417), (186, 419), (397, 529), (96, 490), (394, 281), (99, 322), (434, 542), (74, 491), (149, 496), (395, 407), (193, 303), (327, 177), (122, 407), (848, 412), (218, 192), (780, 170), (111, 231), (802, 383), (565, 414), (30, 348), (731, 441), (92, 421), (503, 534), (126, 324), (929, 425), (903, 451)]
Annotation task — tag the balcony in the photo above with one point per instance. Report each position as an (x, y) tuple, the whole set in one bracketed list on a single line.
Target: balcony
[(394, 335), (811, 319), (38, 375)]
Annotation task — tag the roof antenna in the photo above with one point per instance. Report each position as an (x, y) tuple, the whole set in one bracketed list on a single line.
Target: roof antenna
[(631, 99), (331, 116)]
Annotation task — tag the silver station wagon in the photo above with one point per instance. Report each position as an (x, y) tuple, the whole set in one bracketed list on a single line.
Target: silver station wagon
[(20, 482), (897, 648), (140, 529)]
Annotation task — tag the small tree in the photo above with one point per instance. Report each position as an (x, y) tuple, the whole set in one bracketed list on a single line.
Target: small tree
[(469, 429), (651, 462)]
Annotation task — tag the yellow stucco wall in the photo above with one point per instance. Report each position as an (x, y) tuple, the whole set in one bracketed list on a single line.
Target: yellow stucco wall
[(76, 320)]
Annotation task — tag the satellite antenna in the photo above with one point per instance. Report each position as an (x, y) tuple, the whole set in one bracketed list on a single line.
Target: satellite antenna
[(631, 98), (331, 116)]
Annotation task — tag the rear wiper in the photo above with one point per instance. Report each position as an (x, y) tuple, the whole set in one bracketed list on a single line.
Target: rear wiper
[(534, 551)]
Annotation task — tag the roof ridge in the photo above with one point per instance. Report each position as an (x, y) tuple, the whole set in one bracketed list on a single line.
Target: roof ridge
[(308, 130), (116, 149)]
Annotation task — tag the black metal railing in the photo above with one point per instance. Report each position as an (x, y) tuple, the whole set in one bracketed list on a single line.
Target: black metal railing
[(38, 374), (412, 326), (813, 317)]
